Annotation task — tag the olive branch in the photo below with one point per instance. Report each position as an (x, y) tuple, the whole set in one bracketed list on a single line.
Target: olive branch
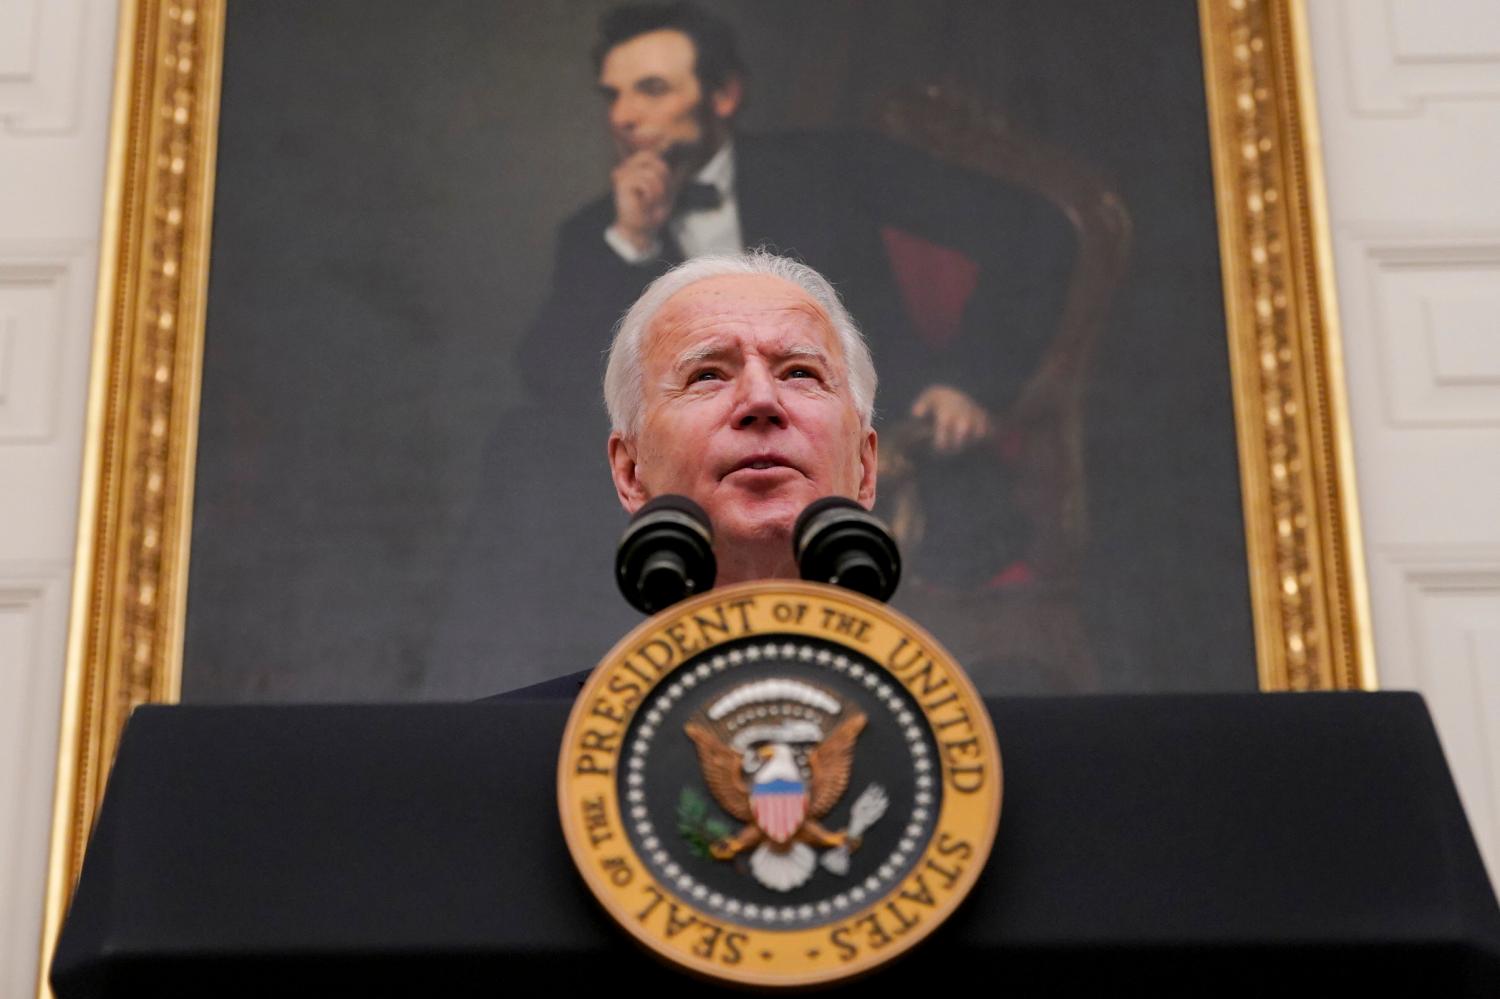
[(696, 825)]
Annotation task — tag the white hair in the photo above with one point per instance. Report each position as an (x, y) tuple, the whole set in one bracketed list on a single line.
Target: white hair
[(625, 377)]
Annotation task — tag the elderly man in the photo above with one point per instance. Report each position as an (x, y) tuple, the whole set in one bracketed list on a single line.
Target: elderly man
[(742, 383)]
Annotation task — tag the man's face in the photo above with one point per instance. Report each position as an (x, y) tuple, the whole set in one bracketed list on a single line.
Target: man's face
[(748, 409), (655, 101)]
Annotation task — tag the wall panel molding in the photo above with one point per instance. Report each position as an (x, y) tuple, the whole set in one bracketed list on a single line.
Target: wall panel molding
[(1409, 100), (56, 76), (1406, 576), (1434, 310), (33, 599), (1443, 611), (41, 64), (43, 292), (1402, 55)]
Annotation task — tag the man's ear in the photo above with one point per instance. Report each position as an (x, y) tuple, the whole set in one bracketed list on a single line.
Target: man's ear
[(726, 100), (628, 486), (869, 463)]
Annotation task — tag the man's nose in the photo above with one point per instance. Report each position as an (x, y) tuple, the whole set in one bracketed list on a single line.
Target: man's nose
[(759, 399), (623, 113)]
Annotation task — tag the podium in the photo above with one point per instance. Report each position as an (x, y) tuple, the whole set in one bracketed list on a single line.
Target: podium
[(1192, 844)]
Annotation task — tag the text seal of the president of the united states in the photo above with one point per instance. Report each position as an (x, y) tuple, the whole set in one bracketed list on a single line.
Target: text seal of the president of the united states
[(779, 784)]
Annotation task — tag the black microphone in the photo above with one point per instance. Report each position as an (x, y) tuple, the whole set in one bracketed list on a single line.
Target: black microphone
[(665, 554), (838, 541)]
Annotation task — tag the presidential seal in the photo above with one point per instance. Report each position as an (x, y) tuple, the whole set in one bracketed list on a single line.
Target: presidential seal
[(779, 784)]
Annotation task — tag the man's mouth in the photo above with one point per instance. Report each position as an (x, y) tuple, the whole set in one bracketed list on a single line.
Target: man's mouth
[(761, 463)]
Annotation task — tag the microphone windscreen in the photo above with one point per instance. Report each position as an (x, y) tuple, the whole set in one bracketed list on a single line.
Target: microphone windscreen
[(676, 502), (836, 540), (666, 554), (814, 509)]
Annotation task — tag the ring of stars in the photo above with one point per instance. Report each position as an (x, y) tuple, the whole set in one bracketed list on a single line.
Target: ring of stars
[(914, 835)]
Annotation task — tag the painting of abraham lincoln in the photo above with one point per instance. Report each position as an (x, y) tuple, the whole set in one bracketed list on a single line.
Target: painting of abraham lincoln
[(420, 248)]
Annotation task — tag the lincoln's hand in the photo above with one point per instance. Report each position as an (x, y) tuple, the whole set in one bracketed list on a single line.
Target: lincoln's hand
[(957, 420), (644, 190)]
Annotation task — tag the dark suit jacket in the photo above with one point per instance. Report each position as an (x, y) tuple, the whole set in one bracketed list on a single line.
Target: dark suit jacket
[(824, 198)]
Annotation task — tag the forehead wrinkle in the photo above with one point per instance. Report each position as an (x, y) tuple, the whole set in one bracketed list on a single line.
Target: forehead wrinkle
[(728, 292), (722, 311), (724, 321)]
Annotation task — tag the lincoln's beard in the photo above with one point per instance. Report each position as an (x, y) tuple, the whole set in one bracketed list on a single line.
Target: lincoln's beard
[(688, 157)]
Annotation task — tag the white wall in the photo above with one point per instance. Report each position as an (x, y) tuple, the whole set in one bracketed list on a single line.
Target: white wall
[(56, 70), (1409, 98)]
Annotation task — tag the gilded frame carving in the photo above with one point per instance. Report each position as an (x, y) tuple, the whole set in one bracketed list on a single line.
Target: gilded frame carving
[(126, 630)]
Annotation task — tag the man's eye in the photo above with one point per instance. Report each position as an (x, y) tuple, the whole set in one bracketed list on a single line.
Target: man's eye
[(706, 375), (801, 373)]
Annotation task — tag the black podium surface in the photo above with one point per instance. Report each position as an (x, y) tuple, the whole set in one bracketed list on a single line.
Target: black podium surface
[(1184, 844)]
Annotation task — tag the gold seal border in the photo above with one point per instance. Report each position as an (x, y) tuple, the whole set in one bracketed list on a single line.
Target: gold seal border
[(707, 944)]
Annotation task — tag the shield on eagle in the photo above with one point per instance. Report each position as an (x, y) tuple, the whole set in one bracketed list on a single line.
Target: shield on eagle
[(779, 807)]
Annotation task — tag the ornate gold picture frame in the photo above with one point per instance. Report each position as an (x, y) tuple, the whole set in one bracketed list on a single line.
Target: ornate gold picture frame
[(128, 618)]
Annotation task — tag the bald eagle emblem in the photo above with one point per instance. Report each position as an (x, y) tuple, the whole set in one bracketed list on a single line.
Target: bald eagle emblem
[(776, 754)]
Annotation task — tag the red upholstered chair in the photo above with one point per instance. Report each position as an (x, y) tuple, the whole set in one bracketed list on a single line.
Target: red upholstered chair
[(1028, 612)]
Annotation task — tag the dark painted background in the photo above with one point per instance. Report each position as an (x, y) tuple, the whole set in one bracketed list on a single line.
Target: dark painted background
[(390, 179)]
